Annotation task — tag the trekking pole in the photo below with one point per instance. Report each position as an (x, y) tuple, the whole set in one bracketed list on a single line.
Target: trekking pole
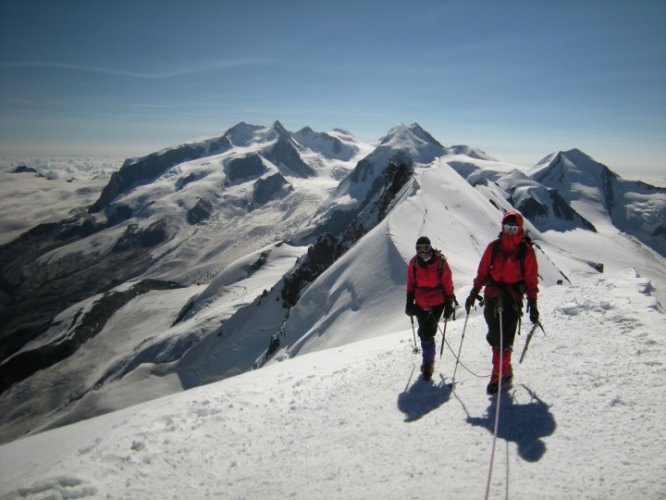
[(416, 349), (462, 338), (500, 309), (529, 337), (446, 320), (441, 349)]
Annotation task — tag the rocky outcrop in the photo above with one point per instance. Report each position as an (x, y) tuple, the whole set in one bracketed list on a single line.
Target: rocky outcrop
[(199, 212), (134, 172), (269, 188), (244, 168), (284, 154), (325, 144), (545, 217), (25, 363), (329, 247), (33, 292)]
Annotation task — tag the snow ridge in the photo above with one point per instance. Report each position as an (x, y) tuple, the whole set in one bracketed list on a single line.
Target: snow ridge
[(565, 406)]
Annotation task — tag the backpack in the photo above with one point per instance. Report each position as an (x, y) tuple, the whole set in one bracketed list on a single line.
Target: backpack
[(440, 266)]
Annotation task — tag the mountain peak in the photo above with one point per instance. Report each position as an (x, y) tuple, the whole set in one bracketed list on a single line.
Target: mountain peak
[(574, 164), (413, 135), (575, 155), (306, 130), (279, 128), (422, 134)]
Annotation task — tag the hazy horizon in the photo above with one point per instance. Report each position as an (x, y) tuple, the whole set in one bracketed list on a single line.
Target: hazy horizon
[(519, 80)]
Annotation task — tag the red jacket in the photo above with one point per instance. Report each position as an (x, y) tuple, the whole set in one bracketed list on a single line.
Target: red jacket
[(506, 268), (427, 283)]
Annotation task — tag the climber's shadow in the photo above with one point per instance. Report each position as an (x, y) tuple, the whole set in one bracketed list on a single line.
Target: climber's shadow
[(524, 424), (422, 397)]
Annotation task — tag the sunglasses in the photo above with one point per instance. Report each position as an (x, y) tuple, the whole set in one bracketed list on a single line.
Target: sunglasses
[(510, 228), (424, 248)]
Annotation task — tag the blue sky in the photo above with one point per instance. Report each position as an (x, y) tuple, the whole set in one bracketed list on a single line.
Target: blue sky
[(518, 79)]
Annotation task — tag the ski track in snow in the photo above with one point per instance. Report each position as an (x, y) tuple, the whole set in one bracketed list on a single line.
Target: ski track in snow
[(355, 422)]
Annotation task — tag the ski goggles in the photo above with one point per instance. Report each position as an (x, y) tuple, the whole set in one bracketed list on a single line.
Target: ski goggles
[(510, 228), (423, 248)]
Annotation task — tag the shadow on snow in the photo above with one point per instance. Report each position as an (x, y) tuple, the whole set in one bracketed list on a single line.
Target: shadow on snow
[(422, 398), (524, 424)]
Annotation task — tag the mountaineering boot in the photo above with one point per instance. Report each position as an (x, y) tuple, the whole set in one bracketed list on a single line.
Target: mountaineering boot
[(427, 369), (493, 386), (507, 370), (508, 377), (428, 366)]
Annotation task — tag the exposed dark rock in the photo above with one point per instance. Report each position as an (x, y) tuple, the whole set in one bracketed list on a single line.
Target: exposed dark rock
[(261, 261), (270, 188), (157, 232), (325, 144), (79, 225), (534, 210), (183, 312), (21, 251), (329, 247), (531, 208), (133, 173), (324, 252), (120, 213), (336, 223), (284, 153), (134, 238), (184, 181), (244, 168), (396, 176), (199, 212), (563, 210), (32, 292), (23, 169), (27, 363)]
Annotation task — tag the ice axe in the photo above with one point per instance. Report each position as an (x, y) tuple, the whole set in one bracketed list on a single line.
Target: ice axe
[(416, 350), (441, 349), (529, 337)]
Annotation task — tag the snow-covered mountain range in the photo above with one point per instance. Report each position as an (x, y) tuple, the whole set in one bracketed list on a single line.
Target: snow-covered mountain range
[(216, 257)]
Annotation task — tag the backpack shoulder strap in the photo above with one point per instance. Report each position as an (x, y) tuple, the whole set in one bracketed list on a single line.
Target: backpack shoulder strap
[(522, 251), (495, 250), (440, 265), (442, 261)]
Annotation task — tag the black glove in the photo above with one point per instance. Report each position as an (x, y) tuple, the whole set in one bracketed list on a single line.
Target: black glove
[(448, 306), (410, 307), (532, 309), (473, 295)]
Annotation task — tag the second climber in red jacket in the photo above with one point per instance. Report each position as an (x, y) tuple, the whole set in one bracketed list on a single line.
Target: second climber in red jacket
[(429, 293), (508, 270)]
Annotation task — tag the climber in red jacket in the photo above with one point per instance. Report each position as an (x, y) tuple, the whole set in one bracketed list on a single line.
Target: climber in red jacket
[(508, 270), (429, 293)]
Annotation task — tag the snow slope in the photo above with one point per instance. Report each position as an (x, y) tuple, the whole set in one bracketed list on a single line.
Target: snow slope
[(168, 340), (337, 411), (584, 420)]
